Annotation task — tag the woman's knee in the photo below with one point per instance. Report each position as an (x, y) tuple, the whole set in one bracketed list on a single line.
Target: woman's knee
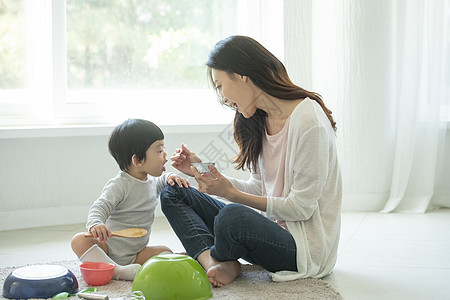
[(169, 194), (168, 191), (174, 195), (232, 211), (230, 217)]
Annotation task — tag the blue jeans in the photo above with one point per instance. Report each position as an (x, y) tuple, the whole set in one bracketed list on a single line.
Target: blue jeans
[(230, 231)]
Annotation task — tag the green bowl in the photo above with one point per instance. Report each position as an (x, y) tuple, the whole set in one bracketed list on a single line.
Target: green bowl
[(172, 276)]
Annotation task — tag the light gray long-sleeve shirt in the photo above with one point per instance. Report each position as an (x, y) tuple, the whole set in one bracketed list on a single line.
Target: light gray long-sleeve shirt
[(127, 202)]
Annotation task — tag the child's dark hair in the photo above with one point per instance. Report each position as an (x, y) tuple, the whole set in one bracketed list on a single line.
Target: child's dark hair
[(133, 137)]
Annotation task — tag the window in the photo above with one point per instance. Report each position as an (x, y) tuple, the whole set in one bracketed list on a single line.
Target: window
[(13, 56), (137, 44), (12, 43), (101, 61)]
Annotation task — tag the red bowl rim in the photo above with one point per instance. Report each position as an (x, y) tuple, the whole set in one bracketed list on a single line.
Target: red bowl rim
[(88, 265)]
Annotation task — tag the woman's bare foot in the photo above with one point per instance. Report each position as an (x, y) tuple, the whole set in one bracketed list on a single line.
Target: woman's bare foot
[(223, 273), (219, 273)]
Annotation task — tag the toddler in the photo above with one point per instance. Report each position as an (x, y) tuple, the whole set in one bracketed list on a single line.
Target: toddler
[(128, 200)]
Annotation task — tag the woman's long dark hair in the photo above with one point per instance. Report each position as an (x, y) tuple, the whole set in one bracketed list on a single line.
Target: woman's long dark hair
[(244, 56)]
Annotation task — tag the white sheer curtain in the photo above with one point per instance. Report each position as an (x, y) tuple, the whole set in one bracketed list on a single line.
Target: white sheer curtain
[(383, 68), (422, 64)]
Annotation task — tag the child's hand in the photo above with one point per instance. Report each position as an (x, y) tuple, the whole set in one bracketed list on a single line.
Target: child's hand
[(101, 232), (172, 179)]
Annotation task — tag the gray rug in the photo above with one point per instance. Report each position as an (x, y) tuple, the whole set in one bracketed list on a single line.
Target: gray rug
[(253, 283)]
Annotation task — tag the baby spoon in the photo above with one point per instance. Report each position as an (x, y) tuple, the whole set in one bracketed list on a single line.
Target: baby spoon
[(128, 233)]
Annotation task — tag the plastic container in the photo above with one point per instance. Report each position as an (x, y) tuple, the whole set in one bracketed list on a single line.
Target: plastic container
[(96, 273), (172, 276), (203, 168)]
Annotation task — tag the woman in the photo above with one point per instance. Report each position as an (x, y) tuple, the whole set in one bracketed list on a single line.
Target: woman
[(286, 139)]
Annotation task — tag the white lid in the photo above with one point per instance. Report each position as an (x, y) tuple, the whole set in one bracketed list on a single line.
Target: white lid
[(40, 272)]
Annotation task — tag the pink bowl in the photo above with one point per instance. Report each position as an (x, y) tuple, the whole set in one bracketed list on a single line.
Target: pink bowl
[(95, 273)]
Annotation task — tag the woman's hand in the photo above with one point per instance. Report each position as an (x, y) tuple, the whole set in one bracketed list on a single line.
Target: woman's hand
[(214, 183), (101, 232), (175, 179), (183, 158)]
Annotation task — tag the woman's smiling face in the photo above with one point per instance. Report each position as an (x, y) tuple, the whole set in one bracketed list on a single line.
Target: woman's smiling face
[(235, 91)]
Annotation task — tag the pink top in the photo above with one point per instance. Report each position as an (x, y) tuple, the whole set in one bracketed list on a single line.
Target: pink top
[(274, 158)]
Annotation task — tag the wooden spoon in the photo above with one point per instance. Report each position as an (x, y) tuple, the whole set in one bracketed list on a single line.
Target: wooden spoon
[(128, 233)]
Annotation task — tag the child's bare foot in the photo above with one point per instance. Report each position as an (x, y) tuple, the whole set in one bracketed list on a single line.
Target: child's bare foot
[(223, 273)]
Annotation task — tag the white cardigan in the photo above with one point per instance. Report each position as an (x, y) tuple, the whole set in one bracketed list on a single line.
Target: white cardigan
[(312, 196)]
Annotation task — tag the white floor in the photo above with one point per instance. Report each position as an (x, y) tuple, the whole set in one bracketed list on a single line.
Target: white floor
[(381, 256)]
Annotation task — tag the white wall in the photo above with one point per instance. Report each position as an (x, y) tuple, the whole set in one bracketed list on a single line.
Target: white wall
[(51, 180)]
